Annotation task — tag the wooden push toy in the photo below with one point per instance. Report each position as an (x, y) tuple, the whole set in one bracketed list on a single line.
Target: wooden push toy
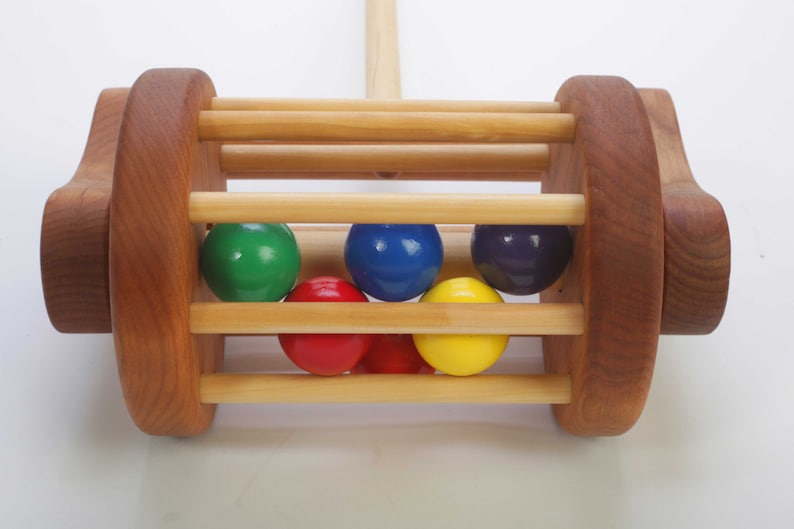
[(125, 245)]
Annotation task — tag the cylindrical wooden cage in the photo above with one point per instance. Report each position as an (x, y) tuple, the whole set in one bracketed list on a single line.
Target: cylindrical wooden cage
[(120, 241)]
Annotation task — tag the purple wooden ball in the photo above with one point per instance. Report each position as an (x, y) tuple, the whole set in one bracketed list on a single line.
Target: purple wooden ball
[(520, 259)]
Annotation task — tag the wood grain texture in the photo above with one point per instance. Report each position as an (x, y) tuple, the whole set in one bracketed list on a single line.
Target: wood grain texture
[(697, 248), (233, 388), (154, 273), (383, 53), (530, 319), (386, 157), (461, 127), (388, 208), (74, 229), (617, 265)]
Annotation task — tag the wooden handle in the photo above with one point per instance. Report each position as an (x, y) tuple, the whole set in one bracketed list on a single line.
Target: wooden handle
[(384, 208), (383, 55), (530, 319), (231, 388)]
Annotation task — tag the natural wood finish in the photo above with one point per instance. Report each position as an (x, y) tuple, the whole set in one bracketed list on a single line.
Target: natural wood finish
[(153, 249), (387, 318), (74, 229), (617, 265), (460, 127), (384, 208), (697, 247), (229, 388), (468, 176), (383, 53), (437, 158), (382, 105)]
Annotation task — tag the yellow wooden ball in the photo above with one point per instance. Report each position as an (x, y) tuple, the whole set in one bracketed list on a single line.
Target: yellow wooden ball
[(461, 354)]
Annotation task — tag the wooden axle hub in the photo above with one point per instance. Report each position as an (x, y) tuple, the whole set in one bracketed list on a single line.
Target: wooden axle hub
[(120, 241)]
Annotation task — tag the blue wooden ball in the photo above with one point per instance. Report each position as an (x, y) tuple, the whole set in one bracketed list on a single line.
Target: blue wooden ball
[(393, 262)]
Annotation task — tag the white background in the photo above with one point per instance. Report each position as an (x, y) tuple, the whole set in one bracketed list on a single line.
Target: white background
[(713, 446)]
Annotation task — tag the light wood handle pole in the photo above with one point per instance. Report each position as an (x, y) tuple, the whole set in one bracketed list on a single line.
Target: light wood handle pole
[(383, 55), (527, 319), (394, 208), (383, 58), (233, 388)]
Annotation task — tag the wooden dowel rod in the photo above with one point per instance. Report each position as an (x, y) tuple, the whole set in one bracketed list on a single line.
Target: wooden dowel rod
[(382, 105), (386, 157), (384, 208), (240, 125), (530, 319), (383, 55), (467, 176), (233, 388)]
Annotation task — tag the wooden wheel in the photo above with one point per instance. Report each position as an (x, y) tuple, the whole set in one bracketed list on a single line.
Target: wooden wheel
[(153, 252), (617, 268)]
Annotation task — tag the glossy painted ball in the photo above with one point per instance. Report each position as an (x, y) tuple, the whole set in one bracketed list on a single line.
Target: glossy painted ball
[(394, 354), (461, 354), (250, 262), (326, 354), (393, 262), (521, 259)]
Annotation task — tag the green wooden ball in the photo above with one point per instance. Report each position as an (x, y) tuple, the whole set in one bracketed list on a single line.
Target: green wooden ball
[(250, 262)]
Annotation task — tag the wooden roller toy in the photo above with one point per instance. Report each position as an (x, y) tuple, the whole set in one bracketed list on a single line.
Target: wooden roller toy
[(120, 242)]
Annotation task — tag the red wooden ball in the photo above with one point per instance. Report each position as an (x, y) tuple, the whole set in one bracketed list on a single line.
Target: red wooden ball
[(325, 354), (393, 353)]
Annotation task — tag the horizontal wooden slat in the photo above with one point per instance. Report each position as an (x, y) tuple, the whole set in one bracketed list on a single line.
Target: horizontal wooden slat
[(454, 157), (387, 318), (388, 208), (229, 388), (254, 125)]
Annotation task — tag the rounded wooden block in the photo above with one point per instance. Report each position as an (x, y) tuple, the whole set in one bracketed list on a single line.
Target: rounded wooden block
[(617, 266), (154, 248), (697, 247), (74, 229)]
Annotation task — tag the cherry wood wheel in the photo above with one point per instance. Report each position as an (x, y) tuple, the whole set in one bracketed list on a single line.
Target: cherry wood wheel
[(153, 252), (617, 266)]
